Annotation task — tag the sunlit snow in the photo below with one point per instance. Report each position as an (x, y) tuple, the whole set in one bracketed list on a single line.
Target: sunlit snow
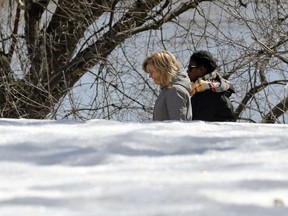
[(110, 168)]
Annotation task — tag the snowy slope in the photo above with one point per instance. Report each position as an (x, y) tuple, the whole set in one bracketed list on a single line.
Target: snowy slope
[(107, 168)]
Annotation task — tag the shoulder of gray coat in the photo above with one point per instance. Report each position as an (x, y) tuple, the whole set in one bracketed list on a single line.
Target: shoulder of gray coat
[(182, 88)]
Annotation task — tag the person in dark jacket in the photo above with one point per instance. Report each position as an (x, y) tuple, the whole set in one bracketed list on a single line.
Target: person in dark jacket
[(210, 91), (173, 102)]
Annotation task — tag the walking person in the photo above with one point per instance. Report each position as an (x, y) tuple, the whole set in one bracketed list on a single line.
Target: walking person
[(210, 91), (173, 101)]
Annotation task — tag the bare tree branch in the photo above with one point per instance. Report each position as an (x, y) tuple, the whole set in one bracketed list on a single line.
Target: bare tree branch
[(252, 92), (46, 55), (276, 112)]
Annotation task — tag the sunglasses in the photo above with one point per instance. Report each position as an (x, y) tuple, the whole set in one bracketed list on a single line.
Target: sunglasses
[(191, 66)]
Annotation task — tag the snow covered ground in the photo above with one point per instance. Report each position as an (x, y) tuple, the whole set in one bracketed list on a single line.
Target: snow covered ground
[(109, 168)]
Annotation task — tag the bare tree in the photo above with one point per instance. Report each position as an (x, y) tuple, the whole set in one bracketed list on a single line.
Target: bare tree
[(264, 61), (82, 59)]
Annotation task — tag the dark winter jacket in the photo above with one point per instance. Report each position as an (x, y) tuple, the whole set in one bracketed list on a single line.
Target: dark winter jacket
[(210, 105), (173, 103)]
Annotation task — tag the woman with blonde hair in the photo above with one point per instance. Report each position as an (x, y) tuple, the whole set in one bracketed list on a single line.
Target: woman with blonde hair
[(173, 102)]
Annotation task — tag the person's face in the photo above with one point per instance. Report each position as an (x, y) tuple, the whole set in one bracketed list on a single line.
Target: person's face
[(194, 72), (153, 74)]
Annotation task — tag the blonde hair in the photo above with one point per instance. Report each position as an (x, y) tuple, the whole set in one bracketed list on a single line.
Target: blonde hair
[(166, 66)]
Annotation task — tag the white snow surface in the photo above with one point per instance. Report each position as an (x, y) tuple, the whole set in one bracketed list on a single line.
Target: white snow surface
[(111, 168)]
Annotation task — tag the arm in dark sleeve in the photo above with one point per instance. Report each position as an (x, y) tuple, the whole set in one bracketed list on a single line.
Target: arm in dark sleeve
[(204, 106)]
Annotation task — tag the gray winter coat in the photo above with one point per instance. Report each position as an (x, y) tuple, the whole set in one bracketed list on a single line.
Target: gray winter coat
[(174, 103)]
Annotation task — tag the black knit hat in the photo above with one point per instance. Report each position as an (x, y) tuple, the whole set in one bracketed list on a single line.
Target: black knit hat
[(204, 58)]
